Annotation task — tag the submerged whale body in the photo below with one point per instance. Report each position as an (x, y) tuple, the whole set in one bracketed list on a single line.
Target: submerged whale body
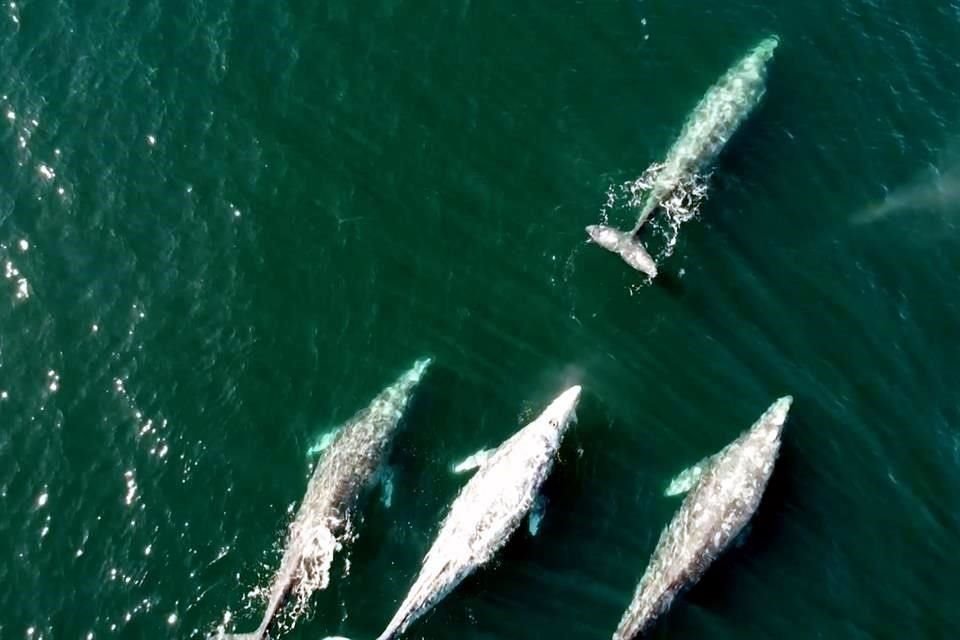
[(680, 181), (724, 492), (324, 521), (488, 509)]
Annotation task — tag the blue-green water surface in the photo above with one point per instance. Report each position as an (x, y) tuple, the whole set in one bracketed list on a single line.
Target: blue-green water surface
[(225, 226)]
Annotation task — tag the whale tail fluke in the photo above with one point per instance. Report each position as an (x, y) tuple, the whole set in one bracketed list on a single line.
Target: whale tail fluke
[(624, 245)]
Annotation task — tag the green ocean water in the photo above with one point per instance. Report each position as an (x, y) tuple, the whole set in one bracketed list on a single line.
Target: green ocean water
[(225, 226)]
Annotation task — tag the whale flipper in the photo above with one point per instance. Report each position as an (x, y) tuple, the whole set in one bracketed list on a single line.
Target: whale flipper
[(624, 245), (386, 485), (474, 461), (687, 479), (537, 512), (741, 538), (324, 441)]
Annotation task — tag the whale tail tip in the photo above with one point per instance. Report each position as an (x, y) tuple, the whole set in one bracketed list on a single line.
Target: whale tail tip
[(624, 245)]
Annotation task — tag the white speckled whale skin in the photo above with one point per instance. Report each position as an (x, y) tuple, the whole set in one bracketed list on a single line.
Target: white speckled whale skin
[(715, 510)]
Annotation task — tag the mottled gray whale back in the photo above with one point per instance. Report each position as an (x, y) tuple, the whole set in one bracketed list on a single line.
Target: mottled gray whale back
[(324, 521), (681, 180), (487, 510), (718, 506)]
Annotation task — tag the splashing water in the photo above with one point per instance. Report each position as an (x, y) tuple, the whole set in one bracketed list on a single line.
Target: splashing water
[(319, 545), (680, 207)]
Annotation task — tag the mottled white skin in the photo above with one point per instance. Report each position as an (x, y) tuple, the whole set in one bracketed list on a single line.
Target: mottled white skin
[(324, 521), (712, 123), (487, 510), (717, 508)]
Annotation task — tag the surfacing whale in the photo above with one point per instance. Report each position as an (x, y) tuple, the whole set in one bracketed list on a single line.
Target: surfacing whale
[(679, 183), (324, 522), (724, 492), (488, 509)]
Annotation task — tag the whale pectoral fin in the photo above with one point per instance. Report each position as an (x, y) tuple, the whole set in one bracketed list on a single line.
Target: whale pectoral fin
[(537, 512), (687, 479), (741, 538), (386, 486), (323, 441), (474, 461)]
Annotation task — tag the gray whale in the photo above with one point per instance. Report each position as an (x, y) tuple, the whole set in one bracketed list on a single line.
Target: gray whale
[(681, 177), (488, 509), (324, 521), (725, 490)]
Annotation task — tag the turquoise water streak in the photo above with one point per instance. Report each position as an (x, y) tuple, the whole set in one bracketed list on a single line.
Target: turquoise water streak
[(226, 226)]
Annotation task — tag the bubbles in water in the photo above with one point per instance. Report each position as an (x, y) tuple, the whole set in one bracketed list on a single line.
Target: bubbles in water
[(131, 483), (46, 172), (11, 272), (54, 381)]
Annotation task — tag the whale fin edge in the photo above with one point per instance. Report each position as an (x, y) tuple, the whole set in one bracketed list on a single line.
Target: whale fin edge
[(687, 479), (473, 461)]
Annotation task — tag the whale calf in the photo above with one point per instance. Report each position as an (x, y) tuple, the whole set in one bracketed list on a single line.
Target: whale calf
[(323, 523), (488, 509), (724, 492), (677, 184)]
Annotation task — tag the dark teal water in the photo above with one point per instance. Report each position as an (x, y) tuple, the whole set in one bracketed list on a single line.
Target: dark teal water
[(242, 220)]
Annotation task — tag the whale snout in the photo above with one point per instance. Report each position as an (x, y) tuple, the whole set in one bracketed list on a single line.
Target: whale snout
[(563, 410), (570, 397), (780, 409), (770, 425)]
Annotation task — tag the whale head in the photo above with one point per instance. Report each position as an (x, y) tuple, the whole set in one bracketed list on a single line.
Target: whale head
[(763, 52), (562, 412), (766, 431)]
